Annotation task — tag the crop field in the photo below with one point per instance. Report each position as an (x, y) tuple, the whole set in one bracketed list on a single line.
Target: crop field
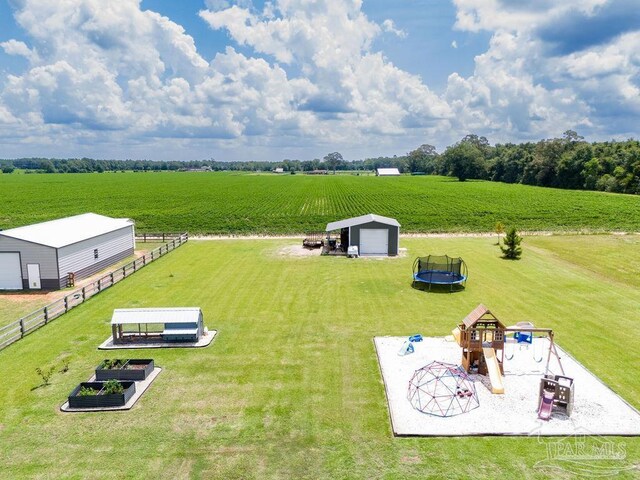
[(237, 203), (290, 387)]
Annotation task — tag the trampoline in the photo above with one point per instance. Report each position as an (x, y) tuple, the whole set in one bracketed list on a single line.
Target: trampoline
[(440, 270)]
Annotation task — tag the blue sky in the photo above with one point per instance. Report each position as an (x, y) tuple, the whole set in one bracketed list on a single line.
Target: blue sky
[(244, 80)]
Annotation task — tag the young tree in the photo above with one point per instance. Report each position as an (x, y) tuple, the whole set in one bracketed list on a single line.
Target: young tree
[(512, 248), (499, 229)]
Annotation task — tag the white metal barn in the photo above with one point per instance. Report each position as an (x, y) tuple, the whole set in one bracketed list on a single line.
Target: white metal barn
[(387, 172), (372, 234), (41, 256)]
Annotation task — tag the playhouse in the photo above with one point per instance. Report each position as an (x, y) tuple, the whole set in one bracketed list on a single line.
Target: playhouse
[(481, 336)]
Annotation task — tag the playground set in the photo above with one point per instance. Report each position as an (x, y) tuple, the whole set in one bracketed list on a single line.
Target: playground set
[(444, 389)]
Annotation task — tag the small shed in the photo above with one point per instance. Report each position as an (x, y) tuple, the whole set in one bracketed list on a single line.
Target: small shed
[(387, 172), (42, 255), (372, 234), (179, 324)]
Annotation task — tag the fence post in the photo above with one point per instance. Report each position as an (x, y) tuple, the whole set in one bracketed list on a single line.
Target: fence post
[(162, 237), (144, 260), (21, 327), (46, 315), (99, 286), (66, 304), (152, 255), (112, 282)]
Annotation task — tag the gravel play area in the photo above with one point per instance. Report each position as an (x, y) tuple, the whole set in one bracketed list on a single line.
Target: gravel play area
[(597, 409)]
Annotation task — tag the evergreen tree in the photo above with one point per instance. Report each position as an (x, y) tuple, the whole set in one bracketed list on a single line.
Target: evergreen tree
[(512, 248)]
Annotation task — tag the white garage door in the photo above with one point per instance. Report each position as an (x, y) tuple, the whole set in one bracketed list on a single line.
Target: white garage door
[(10, 273), (374, 242)]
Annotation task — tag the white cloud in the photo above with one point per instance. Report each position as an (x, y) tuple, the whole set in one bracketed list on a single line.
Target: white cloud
[(14, 47), (112, 73), (390, 27), (521, 88)]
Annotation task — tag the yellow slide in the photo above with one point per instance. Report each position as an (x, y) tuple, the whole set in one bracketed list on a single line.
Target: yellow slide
[(494, 370), (456, 335)]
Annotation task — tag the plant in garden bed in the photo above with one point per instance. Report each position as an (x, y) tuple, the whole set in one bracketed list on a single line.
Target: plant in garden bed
[(112, 364), (112, 387), (87, 391), (112, 393), (124, 369)]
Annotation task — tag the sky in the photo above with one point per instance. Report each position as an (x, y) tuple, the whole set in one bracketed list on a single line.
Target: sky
[(298, 79)]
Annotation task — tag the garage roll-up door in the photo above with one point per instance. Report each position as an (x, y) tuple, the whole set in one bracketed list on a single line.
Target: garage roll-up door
[(10, 272), (374, 241)]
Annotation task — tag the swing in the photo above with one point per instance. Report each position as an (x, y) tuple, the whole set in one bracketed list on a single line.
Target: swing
[(539, 341), (509, 352)]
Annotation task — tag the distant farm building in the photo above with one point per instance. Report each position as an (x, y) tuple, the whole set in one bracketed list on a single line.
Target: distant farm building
[(47, 255), (387, 172), (278, 170), (372, 234)]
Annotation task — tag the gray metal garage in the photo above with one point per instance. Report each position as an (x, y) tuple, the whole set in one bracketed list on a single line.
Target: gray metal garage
[(372, 234), (41, 256)]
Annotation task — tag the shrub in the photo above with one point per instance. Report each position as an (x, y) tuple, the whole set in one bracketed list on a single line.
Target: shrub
[(45, 374)]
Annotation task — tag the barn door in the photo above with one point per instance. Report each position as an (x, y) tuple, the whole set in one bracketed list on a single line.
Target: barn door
[(10, 271), (374, 241), (33, 272)]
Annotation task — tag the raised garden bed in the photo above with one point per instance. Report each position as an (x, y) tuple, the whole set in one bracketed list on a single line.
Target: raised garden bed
[(101, 394), (124, 369)]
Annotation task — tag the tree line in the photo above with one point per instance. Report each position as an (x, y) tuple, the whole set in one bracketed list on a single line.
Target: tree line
[(566, 162)]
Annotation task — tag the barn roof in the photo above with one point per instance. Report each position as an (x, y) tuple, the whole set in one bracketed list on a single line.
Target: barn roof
[(387, 171), (480, 313), (67, 231), (350, 222), (124, 316)]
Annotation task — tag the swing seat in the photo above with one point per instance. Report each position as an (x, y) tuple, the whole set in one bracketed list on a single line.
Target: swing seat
[(523, 337)]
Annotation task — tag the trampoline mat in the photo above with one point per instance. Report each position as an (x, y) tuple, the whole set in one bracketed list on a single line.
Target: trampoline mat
[(439, 277)]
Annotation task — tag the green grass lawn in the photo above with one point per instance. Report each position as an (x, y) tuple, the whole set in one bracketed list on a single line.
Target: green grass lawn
[(237, 203), (291, 387)]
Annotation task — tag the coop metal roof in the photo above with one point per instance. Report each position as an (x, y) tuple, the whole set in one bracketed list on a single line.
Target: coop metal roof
[(350, 222), (124, 316), (67, 231)]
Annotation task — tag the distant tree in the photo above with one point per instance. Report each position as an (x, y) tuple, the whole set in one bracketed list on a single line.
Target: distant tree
[(422, 159), (8, 169), (511, 249), (570, 136), (465, 160), (333, 160)]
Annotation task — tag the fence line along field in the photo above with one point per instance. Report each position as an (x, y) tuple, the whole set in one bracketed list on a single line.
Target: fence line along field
[(240, 203)]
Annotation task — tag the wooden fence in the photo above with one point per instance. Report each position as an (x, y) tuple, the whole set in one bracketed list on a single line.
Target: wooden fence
[(15, 331)]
